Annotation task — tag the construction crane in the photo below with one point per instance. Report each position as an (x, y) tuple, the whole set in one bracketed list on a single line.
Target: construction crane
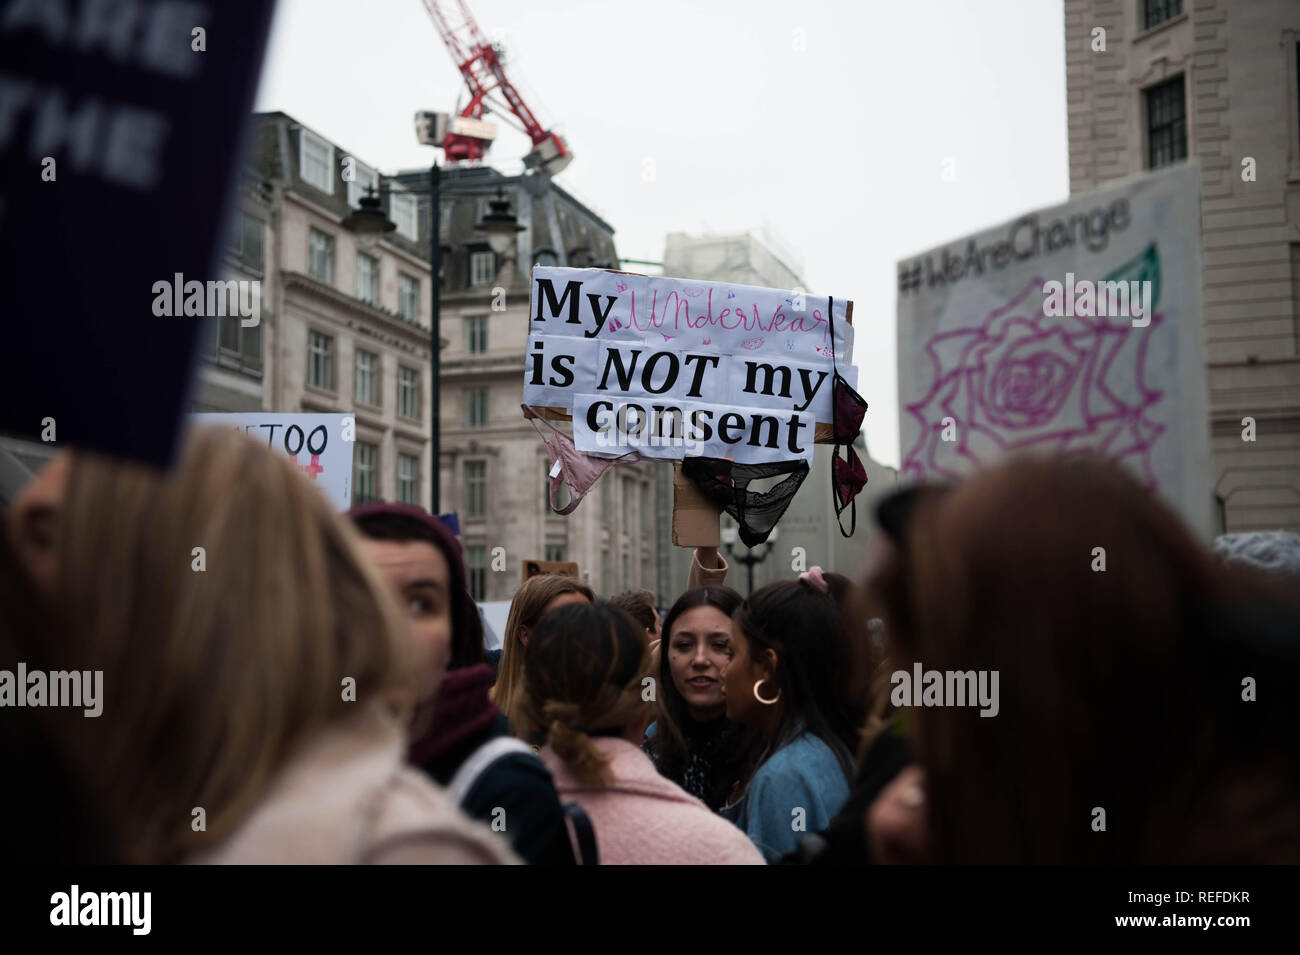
[(482, 66)]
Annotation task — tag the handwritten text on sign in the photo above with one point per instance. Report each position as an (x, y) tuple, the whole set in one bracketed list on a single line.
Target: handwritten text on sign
[(668, 367), (321, 444)]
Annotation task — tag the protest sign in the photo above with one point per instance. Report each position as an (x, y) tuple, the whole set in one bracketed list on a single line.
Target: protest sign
[(668, 367), (316, 442), (122, 129), (1068, 329)]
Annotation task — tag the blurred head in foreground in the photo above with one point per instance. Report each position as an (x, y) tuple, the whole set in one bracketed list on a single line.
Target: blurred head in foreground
[(1146, 706), (232, 614)]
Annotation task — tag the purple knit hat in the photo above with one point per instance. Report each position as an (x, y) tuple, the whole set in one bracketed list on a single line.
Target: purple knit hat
[(406, 522)]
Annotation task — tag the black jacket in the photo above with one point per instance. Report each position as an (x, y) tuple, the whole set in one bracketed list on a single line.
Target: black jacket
[(518, 783)]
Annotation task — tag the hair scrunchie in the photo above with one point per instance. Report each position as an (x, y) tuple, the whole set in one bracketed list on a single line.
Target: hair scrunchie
[(814, 579)]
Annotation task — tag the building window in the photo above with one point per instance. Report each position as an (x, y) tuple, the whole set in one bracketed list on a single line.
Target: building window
[(627, 578), (210, 332), (482, 268), (476, 563), (368, 378), (555, 552), (316, 166), (320, 361), (401, 209), (367, 278), (476, 407), (1156, 12), (246, 241), (320, 247), (646, 524), (363, 180), (545, 258), (408, 478), (240, 347), (1166, 124), (363, 479), (627, 505), (408, 392), (476, 334), (408, 297), (475, 488)]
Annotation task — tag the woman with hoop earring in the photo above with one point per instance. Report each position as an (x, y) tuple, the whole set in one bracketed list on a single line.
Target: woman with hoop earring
[(786, 678)]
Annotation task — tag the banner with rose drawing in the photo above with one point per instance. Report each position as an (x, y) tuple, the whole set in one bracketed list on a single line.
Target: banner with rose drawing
[(1071, 328)]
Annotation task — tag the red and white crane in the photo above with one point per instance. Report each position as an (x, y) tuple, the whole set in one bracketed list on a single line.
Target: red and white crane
[(482, 66)]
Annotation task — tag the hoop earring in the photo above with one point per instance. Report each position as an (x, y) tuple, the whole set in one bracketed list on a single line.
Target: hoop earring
[(763, 701)]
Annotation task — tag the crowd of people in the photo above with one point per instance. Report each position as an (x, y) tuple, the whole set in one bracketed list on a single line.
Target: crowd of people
[(284, 684)]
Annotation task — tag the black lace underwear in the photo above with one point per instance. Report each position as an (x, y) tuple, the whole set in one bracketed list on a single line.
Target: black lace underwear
[(726, 484)]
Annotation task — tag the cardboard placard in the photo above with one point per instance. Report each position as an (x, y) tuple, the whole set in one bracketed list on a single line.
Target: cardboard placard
[(695, 517)]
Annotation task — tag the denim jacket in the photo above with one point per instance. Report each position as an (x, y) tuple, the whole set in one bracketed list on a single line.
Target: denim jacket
[(802, 775)]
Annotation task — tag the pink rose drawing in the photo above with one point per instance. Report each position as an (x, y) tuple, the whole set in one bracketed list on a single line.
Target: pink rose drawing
[(1022, 380)]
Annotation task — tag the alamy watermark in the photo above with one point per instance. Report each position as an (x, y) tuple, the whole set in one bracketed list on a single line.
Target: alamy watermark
[(1087, 299), (212, 299), (130, 909), (84, 688), (946, 688), (633, 426)]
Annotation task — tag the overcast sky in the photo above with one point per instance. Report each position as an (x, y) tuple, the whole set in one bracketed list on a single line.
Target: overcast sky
[(828, 123)]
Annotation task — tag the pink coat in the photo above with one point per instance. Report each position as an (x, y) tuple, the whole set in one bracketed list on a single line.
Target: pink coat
[(644, 819)]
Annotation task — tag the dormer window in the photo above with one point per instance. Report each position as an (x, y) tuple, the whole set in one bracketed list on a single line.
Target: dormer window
[(316, 161)]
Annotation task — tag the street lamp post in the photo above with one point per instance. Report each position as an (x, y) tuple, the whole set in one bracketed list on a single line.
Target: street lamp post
[(753, 556), (500, 225), (435, 357)]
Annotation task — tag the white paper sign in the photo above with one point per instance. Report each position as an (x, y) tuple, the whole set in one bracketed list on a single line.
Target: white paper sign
[(745, 371), (1071, 328), (314, 441), (605, 425)]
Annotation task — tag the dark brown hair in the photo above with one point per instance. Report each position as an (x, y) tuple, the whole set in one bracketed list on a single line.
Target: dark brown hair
[(583, 672), (1120, 689), (803, 627), (637, 604)]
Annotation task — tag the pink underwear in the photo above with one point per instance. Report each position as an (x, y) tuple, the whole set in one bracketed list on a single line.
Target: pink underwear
[(576, 470)]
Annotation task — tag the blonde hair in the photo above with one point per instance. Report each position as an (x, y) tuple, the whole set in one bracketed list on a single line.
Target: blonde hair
[(526, 609), (585, 668), (213, 672)]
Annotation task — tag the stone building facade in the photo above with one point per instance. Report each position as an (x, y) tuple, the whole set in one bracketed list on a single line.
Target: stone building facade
[(346, 328), (1214, 80), (345, 324)]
